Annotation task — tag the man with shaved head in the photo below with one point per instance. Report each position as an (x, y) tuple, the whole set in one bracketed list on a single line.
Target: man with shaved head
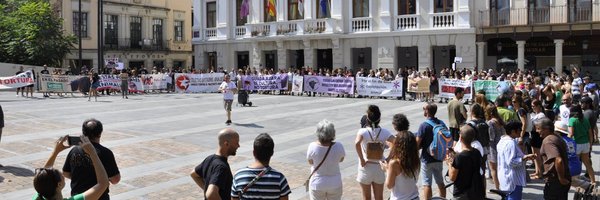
[(213, 175)]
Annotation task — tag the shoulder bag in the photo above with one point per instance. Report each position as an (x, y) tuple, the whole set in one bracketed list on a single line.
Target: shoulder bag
[(306, 183)]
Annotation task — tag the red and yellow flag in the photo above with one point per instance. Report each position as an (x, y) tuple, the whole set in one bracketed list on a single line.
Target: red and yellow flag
[(271, 8)]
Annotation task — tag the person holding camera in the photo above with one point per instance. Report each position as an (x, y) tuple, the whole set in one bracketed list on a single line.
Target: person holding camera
[(80, 170), (464, 168), (48, 182)]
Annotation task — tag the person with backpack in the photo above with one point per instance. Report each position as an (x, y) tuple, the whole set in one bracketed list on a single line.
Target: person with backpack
[(370, 143), (434, 139), (464, 168)]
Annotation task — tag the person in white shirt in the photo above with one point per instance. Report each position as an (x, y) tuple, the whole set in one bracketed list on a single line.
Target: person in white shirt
[(564, 109), (228, 89), (370, 143), (511, 168), (326, 181)]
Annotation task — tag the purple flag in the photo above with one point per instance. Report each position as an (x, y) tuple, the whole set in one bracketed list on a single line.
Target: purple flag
[(324, 7), (245, 9)]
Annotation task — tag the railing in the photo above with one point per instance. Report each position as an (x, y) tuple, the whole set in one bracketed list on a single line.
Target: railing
[(240, 31), (406, 22), (257, 30), (362, 24), (315, 26), (539, 16), (135, 44), (580, 14), (210, 33), (287, 28), (442, 20)]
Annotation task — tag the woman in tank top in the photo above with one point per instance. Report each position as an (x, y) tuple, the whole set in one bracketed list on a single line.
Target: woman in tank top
[(124, 84), (403, 162)]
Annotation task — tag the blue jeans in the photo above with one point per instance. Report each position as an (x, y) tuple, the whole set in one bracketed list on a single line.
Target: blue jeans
[(516, 194)]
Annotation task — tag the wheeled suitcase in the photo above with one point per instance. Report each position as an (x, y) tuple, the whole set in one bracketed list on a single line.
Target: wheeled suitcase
[(243, 98)]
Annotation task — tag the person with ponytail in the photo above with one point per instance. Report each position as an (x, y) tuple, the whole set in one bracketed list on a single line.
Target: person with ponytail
[(49, 182), (370, 143)]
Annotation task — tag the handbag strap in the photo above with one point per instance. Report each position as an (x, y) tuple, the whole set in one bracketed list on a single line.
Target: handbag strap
[(253, 181), (322, 161)]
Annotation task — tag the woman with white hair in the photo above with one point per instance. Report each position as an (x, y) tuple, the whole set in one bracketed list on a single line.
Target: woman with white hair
[(324, 157)]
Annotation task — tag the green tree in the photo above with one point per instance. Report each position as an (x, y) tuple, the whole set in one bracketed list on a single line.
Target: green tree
[(30, 33)]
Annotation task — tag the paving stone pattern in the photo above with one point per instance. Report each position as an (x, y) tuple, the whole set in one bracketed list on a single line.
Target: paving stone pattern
[(159, 138)]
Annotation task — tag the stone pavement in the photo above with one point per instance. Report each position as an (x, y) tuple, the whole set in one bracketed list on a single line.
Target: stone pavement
[(159, 138)]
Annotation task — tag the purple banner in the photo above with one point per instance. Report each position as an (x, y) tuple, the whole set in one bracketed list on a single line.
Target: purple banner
[(265, 82), (332, 85)]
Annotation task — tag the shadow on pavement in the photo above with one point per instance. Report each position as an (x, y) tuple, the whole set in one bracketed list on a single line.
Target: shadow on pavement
[(17, 171), (252, 125)]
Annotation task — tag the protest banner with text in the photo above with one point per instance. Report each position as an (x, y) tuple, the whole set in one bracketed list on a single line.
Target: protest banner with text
[(419, 85), (265, 82), (377, 87), (448, 86), (17, 81), (155, 81), (196, 83), (58, 83), (331, 85), (490, 88), (297, 83)]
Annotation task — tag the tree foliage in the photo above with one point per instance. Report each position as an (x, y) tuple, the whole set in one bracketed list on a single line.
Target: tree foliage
[(30, 33)]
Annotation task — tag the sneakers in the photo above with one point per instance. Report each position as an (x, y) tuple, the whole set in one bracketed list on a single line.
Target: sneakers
[(228, 122)]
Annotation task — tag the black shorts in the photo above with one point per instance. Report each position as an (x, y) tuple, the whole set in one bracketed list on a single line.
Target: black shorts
[(455, 134), (536, 140), (553, 190)]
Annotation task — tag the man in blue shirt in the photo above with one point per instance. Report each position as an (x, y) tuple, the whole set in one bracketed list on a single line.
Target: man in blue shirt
[(429, 165)]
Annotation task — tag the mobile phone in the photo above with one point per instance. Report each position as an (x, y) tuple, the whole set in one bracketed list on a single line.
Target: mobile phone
[(74, 140)]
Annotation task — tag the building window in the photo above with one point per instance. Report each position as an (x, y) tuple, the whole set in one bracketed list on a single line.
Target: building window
[(539, 11), (323, 8), (240, 20), (295, 12), (500, 12), (135, 27), (157, 32), (360, 8), (270, 10), (407, 7), (111, 30), (580, 10), (441, 6), (178, 30), (211, 14), (83, 25)]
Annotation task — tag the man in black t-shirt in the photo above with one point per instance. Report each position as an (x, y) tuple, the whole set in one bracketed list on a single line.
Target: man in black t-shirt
[(213, 175), (22, 89), (464, 168), (78, 166), (45, 71)]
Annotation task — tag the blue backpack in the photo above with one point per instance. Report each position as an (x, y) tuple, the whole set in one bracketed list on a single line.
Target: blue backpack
[(442, 140)]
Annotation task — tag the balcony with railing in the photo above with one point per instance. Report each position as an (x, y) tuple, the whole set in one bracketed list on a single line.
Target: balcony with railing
[(126, 44), (406, 22), (539, 16), (210, 33), (288, 27), (443, 20), (240, 31), (362, 24), (260, 30)]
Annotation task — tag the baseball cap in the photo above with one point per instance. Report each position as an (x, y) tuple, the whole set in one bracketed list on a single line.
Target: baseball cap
[(561, 127), (591, 86)]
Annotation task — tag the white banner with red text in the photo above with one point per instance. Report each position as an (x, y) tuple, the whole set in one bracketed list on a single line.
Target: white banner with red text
[(198, 83), (155, 81), (377, 87), (17, 81), (448, 86)]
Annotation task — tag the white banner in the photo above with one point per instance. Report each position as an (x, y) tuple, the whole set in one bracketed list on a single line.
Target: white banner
[(297, 83), (447, 87), (17, 81), (155, 81), (193, 83), (377, 87), (58, 83)]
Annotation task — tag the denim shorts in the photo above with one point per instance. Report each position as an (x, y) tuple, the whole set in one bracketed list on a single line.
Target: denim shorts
[(431, 169)]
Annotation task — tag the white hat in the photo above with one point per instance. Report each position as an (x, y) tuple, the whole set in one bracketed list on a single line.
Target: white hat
[(561, 127)]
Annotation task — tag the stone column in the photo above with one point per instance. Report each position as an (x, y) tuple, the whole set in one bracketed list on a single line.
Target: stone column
[(481, 55), (337, 53), (308, 53), (255, 55), (281, 56), (558, 62), (521, 55)]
